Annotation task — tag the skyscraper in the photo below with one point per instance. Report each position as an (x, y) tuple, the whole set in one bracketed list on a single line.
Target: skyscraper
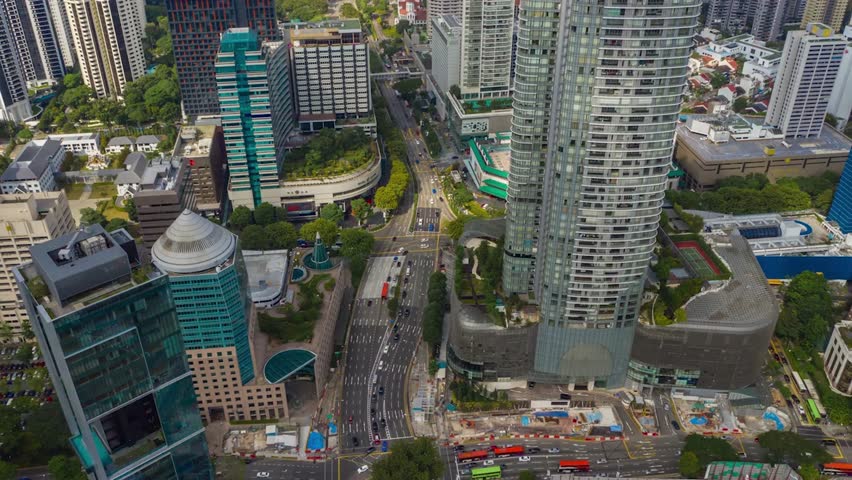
[(27, 219), (806, 76), (596, 96), (196, 26), (35, 39), (108, 330), (828, 12), (731, 16), (840, 102), (769, 18), (107, 38), (256, 116), (486, 48), (14, 101)]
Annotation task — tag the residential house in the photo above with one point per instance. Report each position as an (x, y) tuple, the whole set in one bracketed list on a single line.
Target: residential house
[(34, 169)]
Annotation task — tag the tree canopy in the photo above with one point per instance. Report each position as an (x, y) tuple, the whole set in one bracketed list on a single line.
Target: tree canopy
[(305, 10), (282, 235), (410, 460), (329, 153), (327, 230), (807, 311), (240, 218), (66, 468), (90, 216), (264, 214), (254, 237), (361, 209), (706, 450), (790, 447), (356, 242), (332, 213)]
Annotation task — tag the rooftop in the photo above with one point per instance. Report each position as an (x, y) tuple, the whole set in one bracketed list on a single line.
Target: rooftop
[(193, 245), (452, 21), (323, 29), (147, 139), (831, 142), (32, 161), (194, 141), (492, 155), (749, 470), (267, 272), (119, 141), (743, 301), (159, 174)]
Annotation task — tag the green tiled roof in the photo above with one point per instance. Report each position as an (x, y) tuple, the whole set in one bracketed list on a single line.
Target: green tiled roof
[(485, 163), (496, 192)]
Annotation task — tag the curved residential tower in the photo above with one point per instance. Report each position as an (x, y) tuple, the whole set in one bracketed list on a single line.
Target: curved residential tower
[(598, 88)]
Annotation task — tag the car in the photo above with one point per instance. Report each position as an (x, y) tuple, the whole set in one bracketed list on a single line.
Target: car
[(796, 399), (742, 454), (530, 384), (374, 395), (440, 199), (401, 250), (488, 463), (525, 458), (726, 437), (375, 427), (417, 142), (350, 418), (600, 461), (464, 471), (262, 474), (675, 425), (533, 450), (417, 161), (455, 157), (363, 468), (404, 293), (405, 280), (355, 441), (384, 445), (396, 338), (459, 448), (369, 303), (381, 390), (389, 278), (372, 411), (431, 227), (370, 450), (387, 346), (395, 327), (409, 263), (787, 378), (376, 439), (383, 421), (393, 239), (565, 396), (829, 442), (407, 312), (434, 191), (398, 264), (553, 450)]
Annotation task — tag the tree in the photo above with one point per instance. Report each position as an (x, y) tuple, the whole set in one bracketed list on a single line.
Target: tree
[(332, 213), (349, 11), (282, 235), (264, 214), (410, 460), (689, 465), (130, 208), (708, 449), (809, 472), (386, 199), (90, 216), (740, 104), (408, 87), (455, 228), (240, 218), (356, 242), (455, 91), (327, 231), (115, 224), (527, 475), (403, 26), (790, 447), (823, 200), (7, 471), (361, 209), (65, 468), (254, 237), (717, 80), (806, 310), (831, 120)]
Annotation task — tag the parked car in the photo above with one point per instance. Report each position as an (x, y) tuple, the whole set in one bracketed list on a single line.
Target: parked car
[(675, 425)]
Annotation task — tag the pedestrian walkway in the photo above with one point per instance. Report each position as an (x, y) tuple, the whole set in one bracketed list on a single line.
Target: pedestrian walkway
[(421, 394)]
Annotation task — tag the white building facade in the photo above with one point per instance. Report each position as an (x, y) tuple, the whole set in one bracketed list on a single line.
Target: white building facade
[(840, 102), (446, 51)]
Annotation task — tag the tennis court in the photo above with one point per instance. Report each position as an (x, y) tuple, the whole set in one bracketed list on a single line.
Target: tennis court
[(698, 259)]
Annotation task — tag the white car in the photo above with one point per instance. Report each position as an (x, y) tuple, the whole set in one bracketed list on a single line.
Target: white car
[(553, 450), (488, 463), (363, 468), (262, 474), (600, 460), (417, 142), (386, 348), (524, 459)]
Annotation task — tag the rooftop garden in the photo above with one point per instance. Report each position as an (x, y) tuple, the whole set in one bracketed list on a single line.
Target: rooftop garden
[(330, 153), (288, 324), (486, 105)]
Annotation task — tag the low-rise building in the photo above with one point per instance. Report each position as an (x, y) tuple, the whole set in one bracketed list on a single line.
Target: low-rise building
[(488, 164), (128, 182), (710, 148), (202, 146), (33, 170), (412, 11), (165, 191), (147, 143), (79, 143), (25, 220), (838, 358), (267, 276), (117, 144), (750, 470)]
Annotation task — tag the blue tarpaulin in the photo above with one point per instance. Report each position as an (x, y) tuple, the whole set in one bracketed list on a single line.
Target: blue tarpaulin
[(332, 429), (316, 441), (554, 414), (615, 428)]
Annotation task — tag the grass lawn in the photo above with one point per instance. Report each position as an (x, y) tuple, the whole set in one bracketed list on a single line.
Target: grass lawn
[(114, 212), (74, 190), (103, 190), (232, 468)]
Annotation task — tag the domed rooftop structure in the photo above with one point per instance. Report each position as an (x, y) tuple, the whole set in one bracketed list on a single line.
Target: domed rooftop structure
[(193, 244)]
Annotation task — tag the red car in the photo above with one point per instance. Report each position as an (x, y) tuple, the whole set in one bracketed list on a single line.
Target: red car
[(376, 439), (350, 418)]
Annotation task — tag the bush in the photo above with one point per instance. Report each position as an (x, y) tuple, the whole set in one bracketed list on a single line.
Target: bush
[(329, 153)]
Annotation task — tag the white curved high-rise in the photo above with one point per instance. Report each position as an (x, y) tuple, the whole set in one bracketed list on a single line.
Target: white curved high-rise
[(597, 92)]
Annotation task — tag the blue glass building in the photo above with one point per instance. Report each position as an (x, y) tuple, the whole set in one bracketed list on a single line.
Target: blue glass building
[(841, 205), (108, 329), (209, 285)]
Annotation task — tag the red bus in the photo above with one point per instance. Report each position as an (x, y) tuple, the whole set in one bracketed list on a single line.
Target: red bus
[(385, 288), (472, 456), (509, 451), (836, 468), (568, 466)]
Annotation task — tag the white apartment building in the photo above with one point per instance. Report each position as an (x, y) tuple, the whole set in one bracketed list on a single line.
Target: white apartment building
[(446, 51), (26, 219), (438, 8), (806, 77), (331, 74), (33, 169), (838, 359), (840, 102), (78, 143), (486, 49), (107, 37)]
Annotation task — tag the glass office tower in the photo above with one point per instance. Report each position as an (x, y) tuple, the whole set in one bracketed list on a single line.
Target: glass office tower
[(597, 92), (107, 328)]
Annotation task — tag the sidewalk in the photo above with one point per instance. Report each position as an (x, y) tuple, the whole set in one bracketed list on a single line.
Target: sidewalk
[(421, 395)]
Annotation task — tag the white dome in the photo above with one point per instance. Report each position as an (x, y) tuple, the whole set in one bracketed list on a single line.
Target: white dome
[(193, 244)]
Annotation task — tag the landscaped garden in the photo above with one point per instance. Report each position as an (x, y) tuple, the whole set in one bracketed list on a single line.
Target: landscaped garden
[(297, 325), (330, 153)]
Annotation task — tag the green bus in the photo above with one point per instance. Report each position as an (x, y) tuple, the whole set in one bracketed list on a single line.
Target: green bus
[(486, 473), (813, 410)]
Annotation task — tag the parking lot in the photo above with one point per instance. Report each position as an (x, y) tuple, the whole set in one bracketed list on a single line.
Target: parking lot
[(22, 374)]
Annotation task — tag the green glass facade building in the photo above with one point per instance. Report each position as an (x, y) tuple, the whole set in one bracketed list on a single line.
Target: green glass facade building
[(209, 284), (108, 330), (252, 81)]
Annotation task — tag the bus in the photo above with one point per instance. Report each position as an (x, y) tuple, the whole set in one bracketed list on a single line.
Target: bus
[(820, 408), (811, 388), (385, 289), (486, 473), (813, 410), (799, 383), (569, 466), (836, 469), (472, 456), (509, 451)]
